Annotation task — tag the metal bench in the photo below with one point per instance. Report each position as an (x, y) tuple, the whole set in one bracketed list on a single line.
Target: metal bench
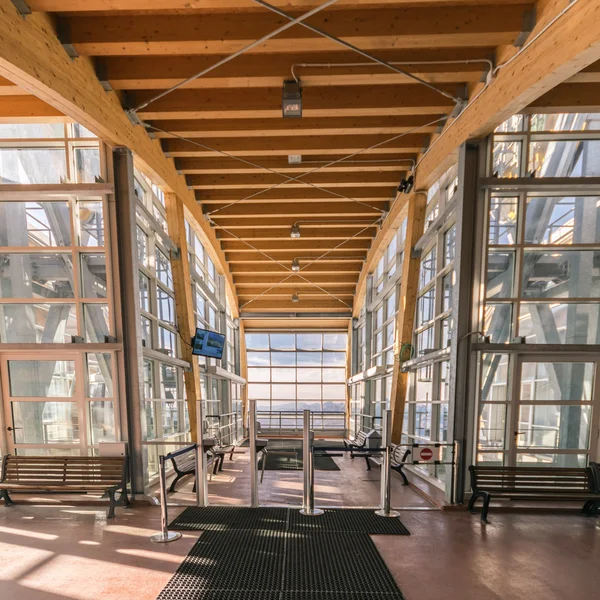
[(535, 483), (184, 463), (67, 474), (399, 456), (358, 446)]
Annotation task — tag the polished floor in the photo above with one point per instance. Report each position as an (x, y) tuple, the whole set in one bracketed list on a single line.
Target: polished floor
[(68, 551)]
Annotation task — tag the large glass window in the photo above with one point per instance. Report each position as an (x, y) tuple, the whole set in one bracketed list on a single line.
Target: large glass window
[(290, 372), (543, 251)]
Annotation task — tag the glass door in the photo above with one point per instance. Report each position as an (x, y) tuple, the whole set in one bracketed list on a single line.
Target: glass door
[(44, 407), (554, 417)]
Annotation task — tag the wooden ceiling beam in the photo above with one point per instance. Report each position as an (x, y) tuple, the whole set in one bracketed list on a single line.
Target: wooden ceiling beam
[(281, 194), (225, 33), (342, 101), (268, 128), (252, 71), (333, 180), (381, 202), (343, 293), (300, 246), (312, 234), (568, 97), (25, 106), (324, 266), (305, 304), (217, 164), (263, 225), (259, 280), (297, 210), (252, 260), (89, 6), (304, 145)]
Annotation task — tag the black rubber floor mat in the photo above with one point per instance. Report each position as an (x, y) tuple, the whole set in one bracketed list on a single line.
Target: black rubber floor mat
[(333, 562), (340, 596), (226, 518), (230, 561), (195, 594), (356, 520), (293, 461)]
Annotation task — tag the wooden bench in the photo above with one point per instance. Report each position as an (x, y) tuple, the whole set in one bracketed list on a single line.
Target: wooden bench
[(68, 474), (184, 463), (535, 483)]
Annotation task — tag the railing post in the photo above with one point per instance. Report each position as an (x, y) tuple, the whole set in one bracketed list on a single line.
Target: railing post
[(385, 509), (308, 499), (201, 482), (165, 535), (253, 463)]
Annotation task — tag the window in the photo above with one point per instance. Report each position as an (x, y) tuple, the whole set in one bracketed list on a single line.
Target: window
[(288, 372), (54, 277), (543, 250)]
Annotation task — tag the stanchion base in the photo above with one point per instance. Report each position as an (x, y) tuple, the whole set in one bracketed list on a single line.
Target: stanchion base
[(308, 512), (162, 538), (383, 513)]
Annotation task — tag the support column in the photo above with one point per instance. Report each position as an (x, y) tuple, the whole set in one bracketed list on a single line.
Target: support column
[(186, 322), (125, 224), (462, 392), (405, 318)]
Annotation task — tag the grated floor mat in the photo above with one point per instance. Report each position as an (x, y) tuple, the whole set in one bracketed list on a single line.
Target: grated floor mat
[(340, 596), (226, 518), (198, 594), (292, 461), (231, 560), (335, 562), (356, 520)]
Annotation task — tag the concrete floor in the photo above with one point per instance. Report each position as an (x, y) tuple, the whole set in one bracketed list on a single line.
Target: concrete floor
[(68, 551)]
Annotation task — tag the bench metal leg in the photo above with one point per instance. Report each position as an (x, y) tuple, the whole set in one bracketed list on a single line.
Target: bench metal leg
[(174, 483), (402, 474), (111, 508), (486, 505), (471, 507), (264, 464), (591, 508), (7, 500), (124, 497), (368, 463)]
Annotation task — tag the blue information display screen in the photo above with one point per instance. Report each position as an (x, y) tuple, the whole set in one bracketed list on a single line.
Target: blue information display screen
[(208, 343)]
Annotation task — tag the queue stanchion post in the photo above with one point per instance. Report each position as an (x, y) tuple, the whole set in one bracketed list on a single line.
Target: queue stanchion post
[(165, 535), (254, 503), (201, 468), (385, 508), (308, 468)]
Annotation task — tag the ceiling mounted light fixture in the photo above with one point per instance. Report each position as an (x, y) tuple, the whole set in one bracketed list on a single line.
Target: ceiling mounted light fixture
[(295, 265), (295, 231), (406, 185), (291, 104), (295, 297)]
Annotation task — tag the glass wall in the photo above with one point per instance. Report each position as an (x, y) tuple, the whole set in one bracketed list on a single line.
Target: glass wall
[(426, 408), (542, 285), (56, 287), (290, 372), (166, 415), (374, 335)]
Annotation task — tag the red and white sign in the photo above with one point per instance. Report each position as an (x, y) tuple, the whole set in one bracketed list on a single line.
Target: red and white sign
[(425, 454)]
